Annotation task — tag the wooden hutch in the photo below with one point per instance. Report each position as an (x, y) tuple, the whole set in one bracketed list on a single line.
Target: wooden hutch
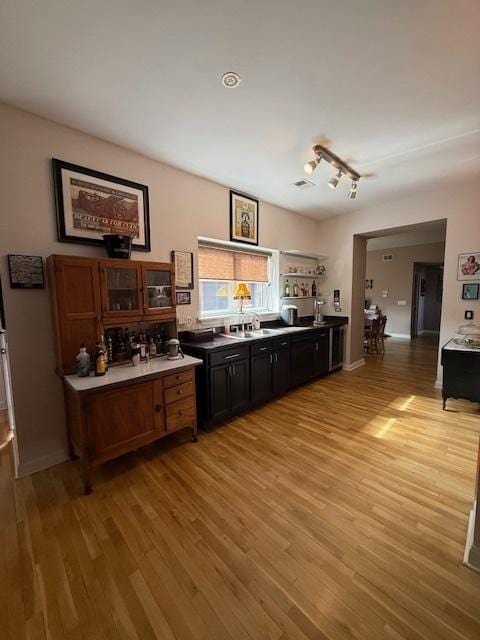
[(129, 406)]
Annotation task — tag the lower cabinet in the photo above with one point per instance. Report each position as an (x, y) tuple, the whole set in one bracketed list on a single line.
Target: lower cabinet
[(321, 353), (261, 376), (302, 357), (228, 390), (106, 422), (281, 371)]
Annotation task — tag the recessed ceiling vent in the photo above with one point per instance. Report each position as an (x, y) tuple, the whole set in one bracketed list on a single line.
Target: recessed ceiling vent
[(303, 183)]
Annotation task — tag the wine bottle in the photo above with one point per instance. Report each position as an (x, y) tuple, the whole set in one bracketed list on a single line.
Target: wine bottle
[(314, 289), (287, 289), (99, 360), (295, 289)]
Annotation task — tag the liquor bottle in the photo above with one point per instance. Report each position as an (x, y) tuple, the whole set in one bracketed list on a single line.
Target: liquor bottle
[(109, 348), (99, 360), (105, 352), (83, 362), (314, 289), (153, 348), (143, 346), (295, 289), (287, 289)]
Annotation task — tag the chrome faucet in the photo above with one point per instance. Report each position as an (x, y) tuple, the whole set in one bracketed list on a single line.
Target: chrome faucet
[(246, 314)]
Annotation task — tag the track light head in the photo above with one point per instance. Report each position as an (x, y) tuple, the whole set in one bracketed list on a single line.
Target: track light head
[(309, 167), (333, 182), (352, 194)]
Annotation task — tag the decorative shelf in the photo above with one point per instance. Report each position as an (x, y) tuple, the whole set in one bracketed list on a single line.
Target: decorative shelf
[(301, 275), (298, 297), (301, 254)]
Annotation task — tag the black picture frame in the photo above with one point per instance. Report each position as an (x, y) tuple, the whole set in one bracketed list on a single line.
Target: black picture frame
[(234, 237), (470, 290), (59, 166), (183, 297), (174, 257), (26, 272)]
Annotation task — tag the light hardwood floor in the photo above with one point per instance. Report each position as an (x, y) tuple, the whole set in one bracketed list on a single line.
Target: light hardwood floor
[(338, 511)]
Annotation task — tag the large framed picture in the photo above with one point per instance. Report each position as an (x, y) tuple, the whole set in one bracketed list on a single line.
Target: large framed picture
[(468, 266), (26, 272), (243, 218), (470, 291), (91, 204)]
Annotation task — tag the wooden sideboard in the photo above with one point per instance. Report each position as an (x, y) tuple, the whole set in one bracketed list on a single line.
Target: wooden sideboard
[(128, 408)]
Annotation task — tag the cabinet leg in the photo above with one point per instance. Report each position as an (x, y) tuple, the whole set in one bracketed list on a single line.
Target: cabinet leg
[(87, 478), (194, 433), (444, 404)]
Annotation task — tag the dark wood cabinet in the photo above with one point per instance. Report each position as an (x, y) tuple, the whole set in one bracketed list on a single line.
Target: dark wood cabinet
[(218, 389), (281, 371), (261, 375), (461, 373), (239, 386), (321, 353), (302, 357)]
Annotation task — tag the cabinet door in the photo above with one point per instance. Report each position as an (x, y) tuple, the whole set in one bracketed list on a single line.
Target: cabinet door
[(218, 393), (301, 366), (322, 344), (121, 289), (281, 371), (75, 291), (121, 420), (261, 377), (158, 289), (337, 346), (239, 386)]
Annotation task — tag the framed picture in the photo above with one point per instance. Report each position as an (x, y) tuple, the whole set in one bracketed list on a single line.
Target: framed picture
[(26, 272), (90, 204), (468, 266), (183, 261), (243, 218), (470, 291), (184, 297)]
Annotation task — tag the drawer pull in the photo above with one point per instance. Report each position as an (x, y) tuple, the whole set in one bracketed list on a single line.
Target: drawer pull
[(158, 408), (179, 392), (181, 412), (283, 344), (263, 348), (179, 377), (235, 355)]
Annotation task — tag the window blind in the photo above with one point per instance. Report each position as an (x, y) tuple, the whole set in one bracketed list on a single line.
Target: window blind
[(227, 264)]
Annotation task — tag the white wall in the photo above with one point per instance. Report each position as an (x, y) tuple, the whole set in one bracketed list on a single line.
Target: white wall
[(458, 202), (396, 277), (182, 207), (3, 399)]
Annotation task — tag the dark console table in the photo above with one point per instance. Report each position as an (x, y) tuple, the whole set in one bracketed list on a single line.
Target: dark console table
[(461, 372)]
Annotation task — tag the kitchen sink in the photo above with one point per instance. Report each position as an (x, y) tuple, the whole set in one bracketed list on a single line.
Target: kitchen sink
[(254, 333)]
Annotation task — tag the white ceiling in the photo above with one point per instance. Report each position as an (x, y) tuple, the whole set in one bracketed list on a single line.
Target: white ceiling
[(394, 85)]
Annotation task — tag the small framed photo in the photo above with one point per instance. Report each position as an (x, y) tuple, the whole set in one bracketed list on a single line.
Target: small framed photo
[(184, 297), (243, 218), (26, 272), (183, 261), (470, 291), (468, 266)]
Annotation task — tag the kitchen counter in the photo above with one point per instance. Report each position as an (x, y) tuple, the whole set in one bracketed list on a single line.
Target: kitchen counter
[(127, 372), (222, 341), (453, 346)]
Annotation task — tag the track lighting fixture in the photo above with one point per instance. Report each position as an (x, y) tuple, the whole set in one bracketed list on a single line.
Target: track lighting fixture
[(352, 194), (343, 169), (333, 182), (310, 167)]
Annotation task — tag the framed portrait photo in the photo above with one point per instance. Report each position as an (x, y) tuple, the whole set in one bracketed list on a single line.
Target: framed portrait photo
[(470, 291), (468, 266), (91, 204), (183, 297), (243, 218), (26, 272)]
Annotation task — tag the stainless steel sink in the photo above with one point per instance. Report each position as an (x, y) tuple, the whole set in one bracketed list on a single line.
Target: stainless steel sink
[(266, 332), (249, 335)]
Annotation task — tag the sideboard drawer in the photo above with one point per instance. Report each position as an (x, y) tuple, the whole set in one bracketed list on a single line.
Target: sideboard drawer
[(179, 392), (177, 378), (180, 414)]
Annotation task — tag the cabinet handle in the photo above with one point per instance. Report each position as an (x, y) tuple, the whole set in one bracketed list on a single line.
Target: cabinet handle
[(316, 346), (158, 408), (180, 413), (271, 358), (179, 377), (283, 344), (179, 392), (263, 348), (235, 355), (276, 357), (233, 370)]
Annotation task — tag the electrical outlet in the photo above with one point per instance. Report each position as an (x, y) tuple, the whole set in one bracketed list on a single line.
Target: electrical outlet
[(468, 314), (402, 303)]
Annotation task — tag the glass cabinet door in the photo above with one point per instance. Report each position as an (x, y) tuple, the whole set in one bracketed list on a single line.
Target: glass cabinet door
[(122, 286), (158, 289)]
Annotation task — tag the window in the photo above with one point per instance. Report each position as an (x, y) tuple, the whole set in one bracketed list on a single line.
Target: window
[(221, 269)]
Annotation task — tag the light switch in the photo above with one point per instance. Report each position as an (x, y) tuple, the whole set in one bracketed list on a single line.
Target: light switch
[(402, 303)]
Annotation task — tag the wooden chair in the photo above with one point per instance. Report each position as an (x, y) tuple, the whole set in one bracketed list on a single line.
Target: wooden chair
[(381, 332), (370, 340)]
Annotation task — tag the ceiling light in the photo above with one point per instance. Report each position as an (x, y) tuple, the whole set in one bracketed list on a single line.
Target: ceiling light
[(333, 182), (310, 167), (231, 80), (352, 194)]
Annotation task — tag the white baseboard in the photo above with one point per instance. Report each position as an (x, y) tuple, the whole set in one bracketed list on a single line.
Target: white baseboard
[(39, 464), (438, 383), (407, 336), (428, 332), (471, 557), (354, 365)]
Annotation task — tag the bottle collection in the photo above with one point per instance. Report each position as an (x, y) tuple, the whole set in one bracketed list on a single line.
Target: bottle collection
[(300, 291), (118, 346)]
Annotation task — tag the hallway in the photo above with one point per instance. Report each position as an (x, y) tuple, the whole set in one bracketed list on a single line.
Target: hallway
[(337, 511)]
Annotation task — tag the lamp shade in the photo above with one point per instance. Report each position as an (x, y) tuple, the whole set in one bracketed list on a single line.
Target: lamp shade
[(242, 292)]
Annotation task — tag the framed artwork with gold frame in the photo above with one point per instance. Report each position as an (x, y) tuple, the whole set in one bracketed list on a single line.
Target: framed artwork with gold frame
[(243, 218)]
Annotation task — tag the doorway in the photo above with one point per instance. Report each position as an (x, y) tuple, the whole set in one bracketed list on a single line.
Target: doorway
[(427, 294)]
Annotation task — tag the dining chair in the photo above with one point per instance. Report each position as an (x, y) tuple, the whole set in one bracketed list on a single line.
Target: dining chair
[(381, 332), (370, 341)]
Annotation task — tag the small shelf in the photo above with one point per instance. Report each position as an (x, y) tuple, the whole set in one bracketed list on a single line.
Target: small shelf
[(300, 275), (298, 297), (300, 254)]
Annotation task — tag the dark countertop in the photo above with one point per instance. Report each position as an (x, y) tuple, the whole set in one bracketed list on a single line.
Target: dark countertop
[(221, 341)]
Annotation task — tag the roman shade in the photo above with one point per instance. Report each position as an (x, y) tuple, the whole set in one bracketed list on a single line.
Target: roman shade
[(216, 263)]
